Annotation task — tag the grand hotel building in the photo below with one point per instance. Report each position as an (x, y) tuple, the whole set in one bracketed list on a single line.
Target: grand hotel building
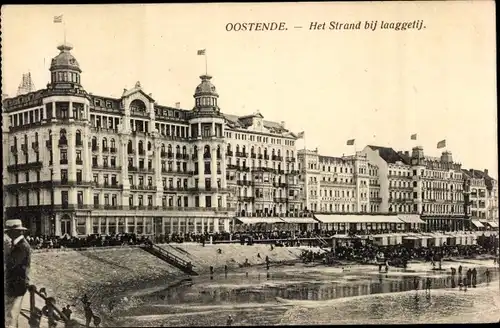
[(78, 164)]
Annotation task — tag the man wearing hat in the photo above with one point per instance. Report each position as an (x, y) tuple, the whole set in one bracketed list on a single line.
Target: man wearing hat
[(17, 264)]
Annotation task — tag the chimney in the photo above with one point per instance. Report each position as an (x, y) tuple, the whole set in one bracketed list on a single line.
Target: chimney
[(486, 171), (283, 124), (407, 153), (178, 105)]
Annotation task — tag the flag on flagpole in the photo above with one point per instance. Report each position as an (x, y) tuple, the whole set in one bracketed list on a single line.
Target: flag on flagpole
[(201, 52), (58, 19), (300, 135), (350, 142), (413, 137), (441, 144)]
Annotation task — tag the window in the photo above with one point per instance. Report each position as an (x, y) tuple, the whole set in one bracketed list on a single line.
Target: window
[(113, 161), (106, 180), (96, 199), (106, 199), (64, 199), (79, 176), (208, 201), (150, 181), (79, 198), (64, 176), (150, 200), (95, 178)]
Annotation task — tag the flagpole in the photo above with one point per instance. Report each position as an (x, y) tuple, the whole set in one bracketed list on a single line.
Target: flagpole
[(64, 28), (206, 63)]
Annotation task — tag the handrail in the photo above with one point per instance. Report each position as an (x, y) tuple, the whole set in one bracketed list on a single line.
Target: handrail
[(33, 292), (175, 257)]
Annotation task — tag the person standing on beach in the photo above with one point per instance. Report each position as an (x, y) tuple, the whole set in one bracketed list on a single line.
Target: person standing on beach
[(487, 274), (416, 283), (428, 284), (89, 315), (474, 277), (17, 266)]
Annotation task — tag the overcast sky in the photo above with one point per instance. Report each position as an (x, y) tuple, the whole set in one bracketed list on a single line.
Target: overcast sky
[(378, 87)]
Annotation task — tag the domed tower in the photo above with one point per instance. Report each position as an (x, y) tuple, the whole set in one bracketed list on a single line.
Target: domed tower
[(207, 130), (206, 96), (65, 70), (66, 104)]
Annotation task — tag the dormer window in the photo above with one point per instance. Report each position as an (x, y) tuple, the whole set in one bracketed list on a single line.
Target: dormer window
[(97, 102), (109, 104)]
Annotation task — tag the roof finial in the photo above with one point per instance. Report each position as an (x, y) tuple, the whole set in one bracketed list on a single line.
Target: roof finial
[(138, 84)]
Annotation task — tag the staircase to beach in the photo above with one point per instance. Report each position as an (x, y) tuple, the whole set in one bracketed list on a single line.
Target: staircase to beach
[(170, 258)]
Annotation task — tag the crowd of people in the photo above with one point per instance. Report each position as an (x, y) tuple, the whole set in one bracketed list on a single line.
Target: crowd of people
[(47, 242), (398, 255)]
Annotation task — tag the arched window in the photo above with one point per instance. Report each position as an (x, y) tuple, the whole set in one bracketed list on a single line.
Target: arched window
[(149, 145), (62, 137), (130, 148), (78, 138), (195, 150), (113, 144), (207, 152), (228, 148), (265, 151), (141, 146), (279, 152), (94, 142), (163, 148), (184, 150), (137, 105), (178, 149), (218, 152), (104, 143), (169, 149), (237, 148)]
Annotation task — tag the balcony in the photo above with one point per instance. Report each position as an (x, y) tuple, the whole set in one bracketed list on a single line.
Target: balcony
[(280, 200), (63, 161), (79, 162), (132, 168), (246, 199), (178, 155), (112, 150), (105, 149), (241, 154), (130, 151), (252, 155), (48, 144), (277, 158), (280, 184), (142, 152), (229, 153), (243, 168), (95, 148), (79, 142), (260, 156), (63, 143), (244, 182), (207, 156), (376, 199), (266, 157), (232, 167), (290, 159), (194, 156), (22, 167), (24, 148)]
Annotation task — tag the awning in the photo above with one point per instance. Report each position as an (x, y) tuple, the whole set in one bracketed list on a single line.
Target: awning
[(493, 224), (411, 218), (477, 224), (260, 220), (411, 238), (299, 220), (336, 218)]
